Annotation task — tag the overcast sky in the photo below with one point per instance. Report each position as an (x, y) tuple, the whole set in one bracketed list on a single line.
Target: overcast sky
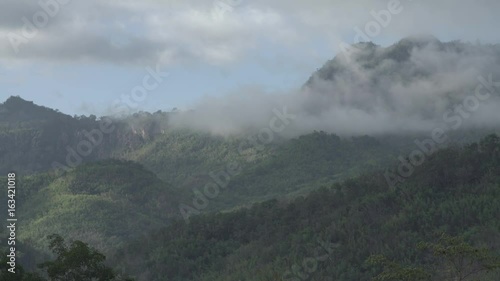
[(80, 56)]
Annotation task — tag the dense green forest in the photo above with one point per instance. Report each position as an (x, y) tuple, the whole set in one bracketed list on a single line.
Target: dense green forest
[(455, 192), (74, 261), (355, 229), (102, 203)]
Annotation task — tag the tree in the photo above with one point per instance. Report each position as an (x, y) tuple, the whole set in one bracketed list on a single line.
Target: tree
[(78, 262), (393, 271), (459, 259), (453, 259)]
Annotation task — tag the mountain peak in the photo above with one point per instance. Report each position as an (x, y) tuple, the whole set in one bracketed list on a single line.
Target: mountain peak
[(14, 101), (17, 109), (421, 39)]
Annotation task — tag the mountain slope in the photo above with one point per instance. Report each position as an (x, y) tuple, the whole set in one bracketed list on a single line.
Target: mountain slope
[(104, 203), (38, 139), (331, 232)]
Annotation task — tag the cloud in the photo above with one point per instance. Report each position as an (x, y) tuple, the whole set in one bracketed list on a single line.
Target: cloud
[(415, 85), (122, 32), (146, 32)]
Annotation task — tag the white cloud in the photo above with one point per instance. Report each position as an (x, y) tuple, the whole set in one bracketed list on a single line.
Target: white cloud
[(133, 32), (406, 87)]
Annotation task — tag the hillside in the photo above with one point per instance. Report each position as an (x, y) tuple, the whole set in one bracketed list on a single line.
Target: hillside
[(184, 158), (35, 139), (453, 192), (105, 203)]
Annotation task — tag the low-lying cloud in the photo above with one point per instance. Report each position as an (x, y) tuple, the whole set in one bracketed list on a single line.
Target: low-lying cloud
[(415, 85)]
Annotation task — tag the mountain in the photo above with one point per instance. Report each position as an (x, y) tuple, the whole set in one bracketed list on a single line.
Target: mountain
[(38, 139), (185, 158), (331, 232), (399, 59), (16, 110), (415, 85)]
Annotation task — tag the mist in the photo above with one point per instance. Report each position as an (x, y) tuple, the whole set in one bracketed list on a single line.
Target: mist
[(415, 85)]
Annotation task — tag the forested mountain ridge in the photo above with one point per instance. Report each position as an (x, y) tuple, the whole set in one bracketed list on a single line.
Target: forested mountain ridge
[(398, 86), (453, 192), (97, 194), (38, 139), (185, 158), (351, 218)]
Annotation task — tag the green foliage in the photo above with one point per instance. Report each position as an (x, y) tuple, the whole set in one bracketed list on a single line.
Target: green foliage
[(78, 262), (360, 216), (452, 259), (184, 157), (104, 203), (393, 271), (286, 168), (32, 137), (460, 260)]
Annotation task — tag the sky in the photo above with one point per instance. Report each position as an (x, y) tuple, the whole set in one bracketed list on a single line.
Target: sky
[(81, 56)]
